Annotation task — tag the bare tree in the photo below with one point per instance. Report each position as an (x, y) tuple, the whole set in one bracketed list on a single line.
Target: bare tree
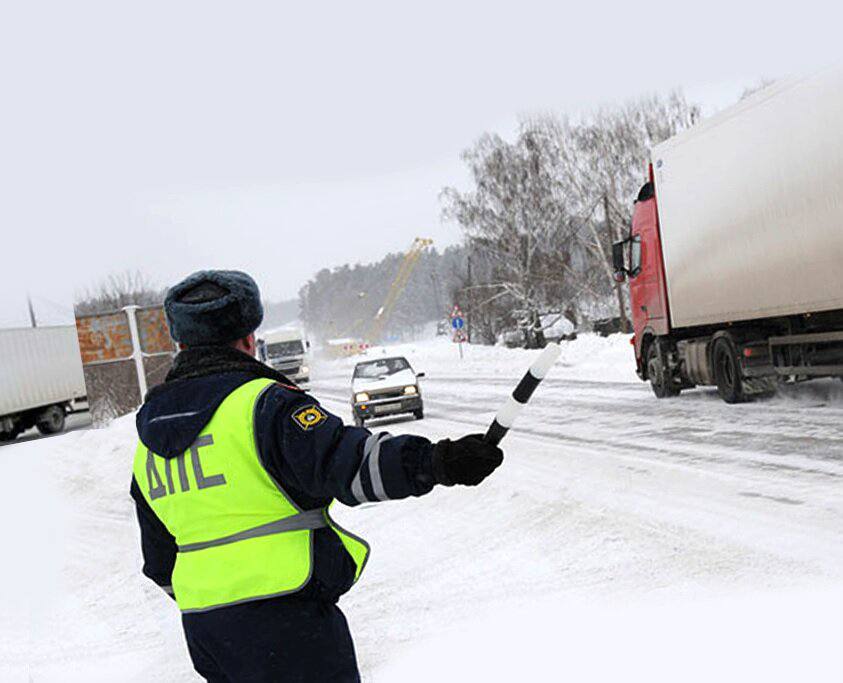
[(118, 290), (545, 209), (604, 160), (607, 153), (516, 217)]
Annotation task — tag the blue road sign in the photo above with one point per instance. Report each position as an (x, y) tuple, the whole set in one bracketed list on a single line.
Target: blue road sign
[(457, 323)]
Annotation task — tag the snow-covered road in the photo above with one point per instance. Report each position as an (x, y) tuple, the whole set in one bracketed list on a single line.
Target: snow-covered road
[(606, 493), (77, 420), (622, 537)]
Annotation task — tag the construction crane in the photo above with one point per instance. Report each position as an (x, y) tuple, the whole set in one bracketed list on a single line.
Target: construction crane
[(411, 259)]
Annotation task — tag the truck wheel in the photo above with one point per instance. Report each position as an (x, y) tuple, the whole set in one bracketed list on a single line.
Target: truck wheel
[(358, 421), (727, 372), (51, 421), (419, 414), (659, 376)]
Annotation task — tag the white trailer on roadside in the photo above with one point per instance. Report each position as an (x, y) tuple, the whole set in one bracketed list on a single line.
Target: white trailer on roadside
[(41, 378)]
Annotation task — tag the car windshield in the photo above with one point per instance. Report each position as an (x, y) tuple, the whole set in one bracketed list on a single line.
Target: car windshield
[(286, 348), (380, 368)]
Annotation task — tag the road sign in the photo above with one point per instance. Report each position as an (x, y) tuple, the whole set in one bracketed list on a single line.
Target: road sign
[(458, 325)]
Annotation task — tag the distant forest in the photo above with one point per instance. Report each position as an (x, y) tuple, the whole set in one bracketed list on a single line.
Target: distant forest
[(343, 302)]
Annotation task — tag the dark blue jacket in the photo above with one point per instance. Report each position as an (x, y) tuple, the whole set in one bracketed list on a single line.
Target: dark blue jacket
[(315, 466)]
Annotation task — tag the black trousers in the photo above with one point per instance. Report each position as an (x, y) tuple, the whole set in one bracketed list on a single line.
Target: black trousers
[(278, 640)]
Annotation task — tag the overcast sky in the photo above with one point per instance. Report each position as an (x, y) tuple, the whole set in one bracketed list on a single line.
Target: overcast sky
[(281, 138)]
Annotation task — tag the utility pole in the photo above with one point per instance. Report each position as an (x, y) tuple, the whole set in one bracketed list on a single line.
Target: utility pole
[(437, 293), (32, 319), (469, 301), (617, 285)]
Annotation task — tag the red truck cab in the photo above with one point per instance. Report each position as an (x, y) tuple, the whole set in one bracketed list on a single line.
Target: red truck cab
[(646, 273)]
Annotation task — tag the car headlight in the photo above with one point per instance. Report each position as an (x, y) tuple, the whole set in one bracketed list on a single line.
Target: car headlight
[(361, 397), (304, 369), (411, 389)]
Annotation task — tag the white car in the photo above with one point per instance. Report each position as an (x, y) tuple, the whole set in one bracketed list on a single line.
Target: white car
[(386, 386)]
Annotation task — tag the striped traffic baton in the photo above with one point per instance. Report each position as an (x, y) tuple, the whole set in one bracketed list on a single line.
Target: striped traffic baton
[(516, 402)]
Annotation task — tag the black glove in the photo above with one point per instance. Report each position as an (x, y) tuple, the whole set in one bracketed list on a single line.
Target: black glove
[(467, 461)]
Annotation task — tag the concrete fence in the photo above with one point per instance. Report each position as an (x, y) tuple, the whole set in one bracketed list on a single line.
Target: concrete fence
[(124, 354)]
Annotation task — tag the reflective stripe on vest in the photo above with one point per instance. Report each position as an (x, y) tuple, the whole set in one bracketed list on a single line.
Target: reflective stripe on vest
[(312, 519), (240, 537)]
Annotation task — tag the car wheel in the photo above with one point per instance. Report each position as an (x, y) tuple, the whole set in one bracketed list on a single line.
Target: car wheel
[(51, 421)]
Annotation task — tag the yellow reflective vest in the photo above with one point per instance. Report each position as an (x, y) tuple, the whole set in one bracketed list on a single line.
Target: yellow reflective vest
[(239, 536)]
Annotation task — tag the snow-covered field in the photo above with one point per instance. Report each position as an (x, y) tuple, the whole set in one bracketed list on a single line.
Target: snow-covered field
[(624, 538)]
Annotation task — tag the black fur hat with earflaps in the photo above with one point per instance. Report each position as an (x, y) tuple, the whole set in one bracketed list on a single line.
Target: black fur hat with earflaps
[(213, 307)]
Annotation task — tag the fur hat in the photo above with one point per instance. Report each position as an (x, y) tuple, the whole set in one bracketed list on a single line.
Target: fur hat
[(213, 307)]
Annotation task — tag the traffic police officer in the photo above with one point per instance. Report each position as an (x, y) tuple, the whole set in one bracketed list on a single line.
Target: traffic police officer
[(234, 471)]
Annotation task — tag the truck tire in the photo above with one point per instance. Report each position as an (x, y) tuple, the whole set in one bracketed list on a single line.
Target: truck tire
[(659, 376), (419, 414), (727, 372), (51, 421), (358, 421)]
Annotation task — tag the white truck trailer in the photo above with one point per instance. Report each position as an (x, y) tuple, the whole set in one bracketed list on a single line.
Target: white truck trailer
[(735, 257), (40, 378)]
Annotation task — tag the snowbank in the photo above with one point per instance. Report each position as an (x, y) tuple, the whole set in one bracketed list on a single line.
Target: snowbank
[(75, 607), (774, 638), (589, 357)]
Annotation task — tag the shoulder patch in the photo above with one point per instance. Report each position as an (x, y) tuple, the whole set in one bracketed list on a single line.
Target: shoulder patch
[(309, 417)]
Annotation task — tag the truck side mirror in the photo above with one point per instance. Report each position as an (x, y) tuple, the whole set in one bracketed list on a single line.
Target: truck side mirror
[(618, 261)]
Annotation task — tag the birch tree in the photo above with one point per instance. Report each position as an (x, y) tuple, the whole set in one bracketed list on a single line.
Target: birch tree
[(545, 209), (602, 161), (516, 218)]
